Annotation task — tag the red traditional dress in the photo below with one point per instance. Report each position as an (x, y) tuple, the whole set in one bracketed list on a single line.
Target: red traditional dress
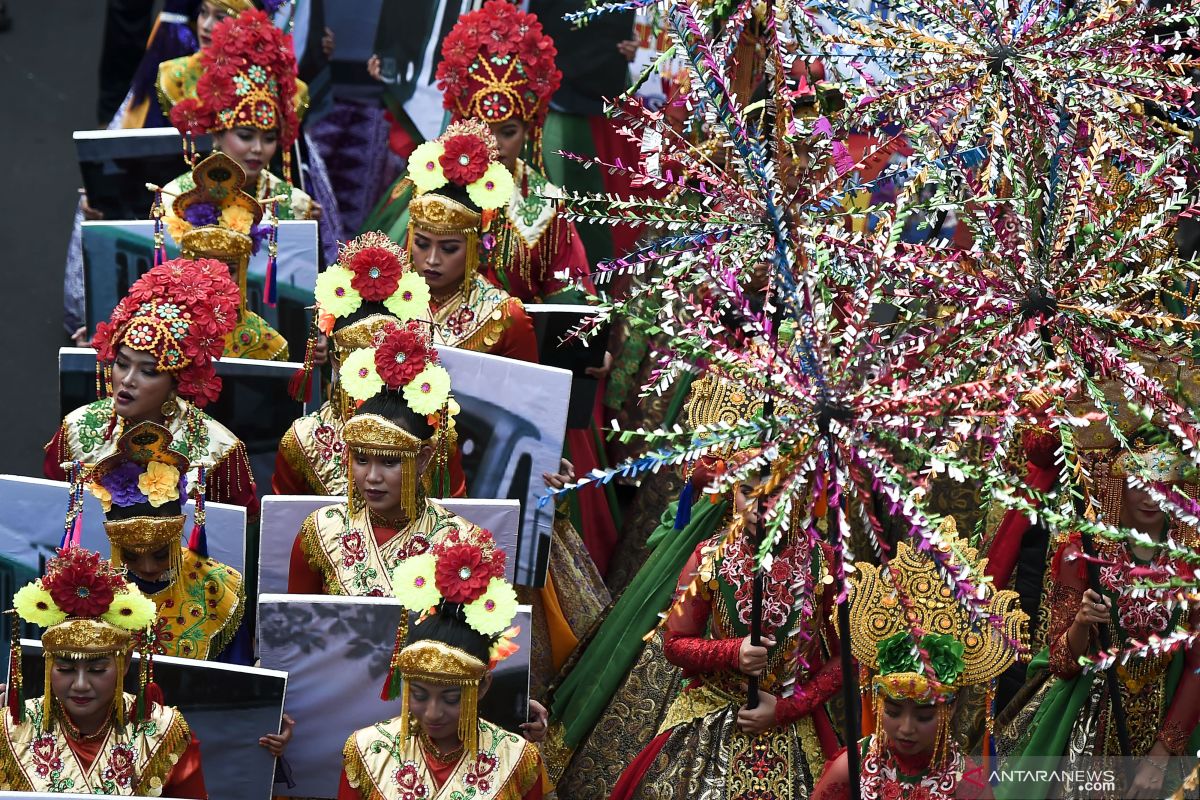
[(699, 743)]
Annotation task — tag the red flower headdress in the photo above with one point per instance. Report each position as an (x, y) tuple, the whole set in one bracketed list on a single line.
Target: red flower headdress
[(180, 311), (88, 611), (249, 79), (463, 570), (497, 64)]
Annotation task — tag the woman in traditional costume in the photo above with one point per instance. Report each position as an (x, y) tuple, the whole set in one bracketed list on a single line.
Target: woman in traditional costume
[(709, 736), (85, 735), (182, 28), (592, 734), (922, 648), (1072, 717), (438, 746), (156, 356), (460, 185), (497, 74), (200, 602), (243, 90), (497, 67), (371, 289), (393, 449)]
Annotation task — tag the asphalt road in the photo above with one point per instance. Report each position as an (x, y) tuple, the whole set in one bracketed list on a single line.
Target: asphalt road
[(48, 67)]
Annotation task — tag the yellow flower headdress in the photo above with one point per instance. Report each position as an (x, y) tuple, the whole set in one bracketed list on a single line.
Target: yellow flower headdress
[(464, 571), (461, 184), (371, 269), (88, 611), (143, 471)]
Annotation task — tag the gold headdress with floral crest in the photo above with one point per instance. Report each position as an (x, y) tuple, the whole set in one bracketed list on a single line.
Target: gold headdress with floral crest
[(909, 629)]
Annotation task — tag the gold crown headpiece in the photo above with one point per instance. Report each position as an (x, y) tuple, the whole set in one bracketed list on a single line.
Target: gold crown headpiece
[(373, 435), (438, 663), (911, 594), (215, 218), (1160, 462), (908, 627), (442, 216), (1170, 368), (144, 468)]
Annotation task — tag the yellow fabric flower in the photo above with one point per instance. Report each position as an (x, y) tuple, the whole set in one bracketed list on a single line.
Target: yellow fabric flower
[(413, 582), (237, 219), (334, 293), (160, 483), (131, 610), (494, 189), (411, 298), (103, 495), (424, 169), (494, 610), (176, 227), (35, 605), (429, 390), (358, 375)]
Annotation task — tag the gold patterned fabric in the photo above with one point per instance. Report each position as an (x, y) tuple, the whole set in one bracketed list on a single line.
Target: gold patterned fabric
[(710, 759), (137, 765), (314, 449), (478, 321), (628, 723), (83, 638), (442, 216), (580, 589), (89, 435), (382, 765), (340, 545), (200, 612)]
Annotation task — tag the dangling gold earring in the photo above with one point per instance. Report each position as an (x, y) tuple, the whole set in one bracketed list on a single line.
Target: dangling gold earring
[(169, 409)]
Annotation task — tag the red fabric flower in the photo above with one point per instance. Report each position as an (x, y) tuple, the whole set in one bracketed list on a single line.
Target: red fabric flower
[(496, 30), (464, 159), (250, 38), (376, 273), (81, 583), (189, 117), (462, 575), (199, 384), (400, 356), (205, 298)]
